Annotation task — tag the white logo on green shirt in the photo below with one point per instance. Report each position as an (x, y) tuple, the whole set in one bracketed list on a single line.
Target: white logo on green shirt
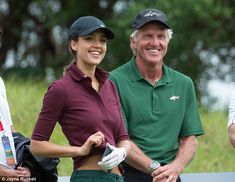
[(173, 97)]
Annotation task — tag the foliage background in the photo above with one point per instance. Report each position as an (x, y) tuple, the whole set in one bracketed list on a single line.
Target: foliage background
[(34, 36)]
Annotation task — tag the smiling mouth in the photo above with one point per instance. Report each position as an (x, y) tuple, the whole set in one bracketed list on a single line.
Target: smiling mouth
[(154, 51), (96, 53)]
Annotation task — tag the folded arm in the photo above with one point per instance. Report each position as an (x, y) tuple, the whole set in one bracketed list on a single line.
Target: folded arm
[(47, 149)]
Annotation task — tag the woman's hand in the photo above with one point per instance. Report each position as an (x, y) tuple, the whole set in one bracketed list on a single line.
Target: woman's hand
[(94, 140)]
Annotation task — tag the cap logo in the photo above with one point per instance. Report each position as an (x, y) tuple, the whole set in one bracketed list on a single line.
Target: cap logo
[(102, 25), (152, 13)]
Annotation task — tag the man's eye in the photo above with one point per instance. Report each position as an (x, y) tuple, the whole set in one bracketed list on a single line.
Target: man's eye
[(147, 36), (161, 36)]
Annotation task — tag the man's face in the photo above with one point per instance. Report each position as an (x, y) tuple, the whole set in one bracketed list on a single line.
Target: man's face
[(151, 43)]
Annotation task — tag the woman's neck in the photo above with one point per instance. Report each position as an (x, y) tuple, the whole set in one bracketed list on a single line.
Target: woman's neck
[(89, 71)]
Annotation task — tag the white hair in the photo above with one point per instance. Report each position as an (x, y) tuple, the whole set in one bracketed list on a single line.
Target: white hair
[(169, 33)]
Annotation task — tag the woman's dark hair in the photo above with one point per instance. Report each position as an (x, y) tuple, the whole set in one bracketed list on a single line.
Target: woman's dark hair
[(73, 53), (66, 67)]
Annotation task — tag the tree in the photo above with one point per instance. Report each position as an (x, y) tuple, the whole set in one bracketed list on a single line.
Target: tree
[(35, 32), (203, 40)]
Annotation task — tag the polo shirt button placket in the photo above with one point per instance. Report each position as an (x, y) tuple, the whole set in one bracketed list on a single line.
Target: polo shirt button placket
[(155, 100)]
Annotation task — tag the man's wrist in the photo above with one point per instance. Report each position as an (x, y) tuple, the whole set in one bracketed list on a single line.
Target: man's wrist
[(153, 166)]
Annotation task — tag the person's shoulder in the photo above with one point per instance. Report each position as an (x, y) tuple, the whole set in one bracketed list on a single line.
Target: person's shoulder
[(2, 82), (121, 68), (63, 80), (120, 71), (1, 79), (177, 75), (110, 83), (58, 85), (2, 86)]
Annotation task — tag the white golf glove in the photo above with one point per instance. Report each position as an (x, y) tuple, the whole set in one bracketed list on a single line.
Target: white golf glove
[(114, 158)]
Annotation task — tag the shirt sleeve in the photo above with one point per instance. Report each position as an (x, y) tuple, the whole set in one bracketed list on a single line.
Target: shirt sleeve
[(192, 123), (122, 131), (231, 114), (53, 104), (4, 103)]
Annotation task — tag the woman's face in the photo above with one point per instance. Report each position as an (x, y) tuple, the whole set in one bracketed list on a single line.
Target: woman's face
[(90, 49)]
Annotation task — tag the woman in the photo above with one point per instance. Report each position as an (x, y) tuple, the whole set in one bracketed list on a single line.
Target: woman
[(86, 105)]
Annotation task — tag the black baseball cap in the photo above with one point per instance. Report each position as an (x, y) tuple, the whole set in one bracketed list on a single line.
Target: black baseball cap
[(86, 25), (148, 15)]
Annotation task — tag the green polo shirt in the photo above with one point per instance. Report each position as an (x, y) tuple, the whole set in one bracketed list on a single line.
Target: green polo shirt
[(157, 116)]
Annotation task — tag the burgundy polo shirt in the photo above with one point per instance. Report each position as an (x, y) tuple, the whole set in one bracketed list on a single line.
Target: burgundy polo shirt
[(81, 111)]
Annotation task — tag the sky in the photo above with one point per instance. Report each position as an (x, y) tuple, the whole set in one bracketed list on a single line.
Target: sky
[(222, 91)]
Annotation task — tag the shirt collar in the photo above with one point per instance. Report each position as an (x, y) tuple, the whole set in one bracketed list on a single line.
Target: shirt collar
[(135, 75), (78, 75), (167, 77)]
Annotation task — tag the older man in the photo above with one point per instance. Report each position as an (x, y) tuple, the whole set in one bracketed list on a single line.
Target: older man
[(159, 105)]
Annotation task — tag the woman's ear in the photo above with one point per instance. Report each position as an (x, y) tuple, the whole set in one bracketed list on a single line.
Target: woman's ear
[(74, 45)]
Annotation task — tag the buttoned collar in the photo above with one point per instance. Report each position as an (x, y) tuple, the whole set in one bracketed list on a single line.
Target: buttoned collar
[(78, 75), (135, 75)]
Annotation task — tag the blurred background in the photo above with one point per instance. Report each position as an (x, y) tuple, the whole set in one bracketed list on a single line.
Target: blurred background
[(33, 51), (34, 38)]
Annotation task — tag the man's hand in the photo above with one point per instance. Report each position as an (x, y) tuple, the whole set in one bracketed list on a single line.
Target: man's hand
[(20, 174), (185, 154), (23, 172), (167, 173)]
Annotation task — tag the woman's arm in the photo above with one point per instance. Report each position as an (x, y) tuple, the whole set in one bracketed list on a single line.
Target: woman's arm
[(47, 149)]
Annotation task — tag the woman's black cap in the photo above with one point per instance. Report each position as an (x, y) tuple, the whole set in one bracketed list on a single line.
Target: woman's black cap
[(86, 25)]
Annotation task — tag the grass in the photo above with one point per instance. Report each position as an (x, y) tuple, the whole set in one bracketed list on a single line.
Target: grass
[(214, 154), (25, 101)]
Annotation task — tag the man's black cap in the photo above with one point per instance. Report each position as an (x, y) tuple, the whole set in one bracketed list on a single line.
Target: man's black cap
[(86, 25), (148, 15)]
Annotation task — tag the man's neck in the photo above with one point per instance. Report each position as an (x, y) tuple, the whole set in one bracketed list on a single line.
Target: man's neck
[(152, 73)]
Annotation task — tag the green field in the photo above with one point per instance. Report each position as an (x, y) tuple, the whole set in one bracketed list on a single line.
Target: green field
[(214, 154)]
